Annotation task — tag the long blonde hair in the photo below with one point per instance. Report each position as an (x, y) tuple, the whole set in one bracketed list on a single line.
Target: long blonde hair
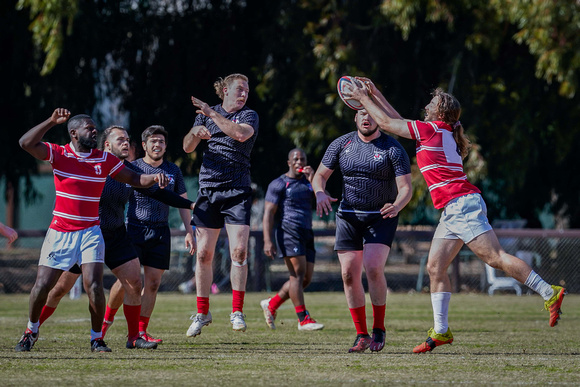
[(449, 110), (221, 83)]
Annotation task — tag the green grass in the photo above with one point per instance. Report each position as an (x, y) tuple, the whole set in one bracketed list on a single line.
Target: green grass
[(498, 340)]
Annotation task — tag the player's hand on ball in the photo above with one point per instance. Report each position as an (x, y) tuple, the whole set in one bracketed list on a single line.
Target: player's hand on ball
[(368, 84), (389, 210), (357, 92), (323, 203)]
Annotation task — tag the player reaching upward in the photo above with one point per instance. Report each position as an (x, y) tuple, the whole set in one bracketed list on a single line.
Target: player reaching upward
[(225, 193), (290, 195), (74, 235), (441, 147), (376, 186)]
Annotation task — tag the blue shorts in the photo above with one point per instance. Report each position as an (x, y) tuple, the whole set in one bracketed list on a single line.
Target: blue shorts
[(356, 229), (153, 244), (216, 207), (463, 218), (296, 242)]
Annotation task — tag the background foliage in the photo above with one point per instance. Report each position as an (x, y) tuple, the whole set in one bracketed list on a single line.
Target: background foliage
[(513, 65)]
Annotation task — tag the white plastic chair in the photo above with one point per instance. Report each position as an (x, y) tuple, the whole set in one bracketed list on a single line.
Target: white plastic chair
[(501, 283)]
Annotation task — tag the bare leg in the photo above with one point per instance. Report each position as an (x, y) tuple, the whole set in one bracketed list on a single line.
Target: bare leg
[(238, 236), (129, 278), (93, 283), (351, 264), (206, 243), (297, 269), (46, 279), (61, 289), (150, 288), (374, 259)]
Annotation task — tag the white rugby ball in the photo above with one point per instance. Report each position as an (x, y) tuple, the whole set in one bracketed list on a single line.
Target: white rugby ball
[(345, 85)]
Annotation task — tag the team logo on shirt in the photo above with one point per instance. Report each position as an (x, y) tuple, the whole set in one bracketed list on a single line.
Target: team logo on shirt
[(378, 157), (236, 120), (98, 169)]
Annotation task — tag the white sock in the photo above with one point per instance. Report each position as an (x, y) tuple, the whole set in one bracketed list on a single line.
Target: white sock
[(33, 326), (537, 284), (96, 335), (440, 303)]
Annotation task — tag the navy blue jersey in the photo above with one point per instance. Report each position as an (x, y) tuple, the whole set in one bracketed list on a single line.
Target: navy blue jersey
[(226, 162), (368, 169), (113, 200), (144, 209), (294, 200)]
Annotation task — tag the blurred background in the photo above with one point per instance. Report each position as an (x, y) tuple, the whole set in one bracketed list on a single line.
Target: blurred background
[(513, 65)]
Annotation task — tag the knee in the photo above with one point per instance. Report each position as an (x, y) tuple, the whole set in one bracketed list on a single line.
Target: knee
[(435, 270), (347, 278), (375, 274), (204, 257), (239, 256), (133, 285), (57, 292), (93, 287), (152, 285)]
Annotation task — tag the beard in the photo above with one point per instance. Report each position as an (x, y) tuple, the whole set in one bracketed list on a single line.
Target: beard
[(88, 143), (368, 132)]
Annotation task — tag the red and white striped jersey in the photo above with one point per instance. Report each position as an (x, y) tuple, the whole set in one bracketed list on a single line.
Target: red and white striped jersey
[(439, 160), (79, 182)]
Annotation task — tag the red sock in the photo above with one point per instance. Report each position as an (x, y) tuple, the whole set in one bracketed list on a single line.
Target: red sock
[(132, 315), (379, 316), (202, 305), (238, 300), (47, 311), (359, 317), (275, 303), (110, 314), (143, 324)]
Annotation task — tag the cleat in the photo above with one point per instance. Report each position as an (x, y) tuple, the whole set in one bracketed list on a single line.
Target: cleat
[(26, 341), (434, 340), (106, 325), (147, 337), (199, 321), (378, 340), (238, 321), (554, 303), (268, 315), (309, 324), (361, 343), (140, 342), (99, 345)]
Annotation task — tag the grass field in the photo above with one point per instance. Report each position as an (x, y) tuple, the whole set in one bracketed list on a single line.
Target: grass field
[(498, 340)]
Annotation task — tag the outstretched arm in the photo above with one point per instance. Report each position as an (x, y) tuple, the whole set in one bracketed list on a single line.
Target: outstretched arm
[(323, 199), (391, 125), (380, 99), (239, 132), (137, 180), (32, 140)]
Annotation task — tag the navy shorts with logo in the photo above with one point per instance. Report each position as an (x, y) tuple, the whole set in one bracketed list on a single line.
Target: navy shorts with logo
[(152, 243), (296, 242), (216, 207), (354, 230)]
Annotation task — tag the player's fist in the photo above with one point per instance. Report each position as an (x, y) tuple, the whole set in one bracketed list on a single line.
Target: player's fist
[(60, 115)]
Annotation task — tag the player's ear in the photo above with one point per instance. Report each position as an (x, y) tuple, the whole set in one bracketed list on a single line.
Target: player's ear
[(144, 145)]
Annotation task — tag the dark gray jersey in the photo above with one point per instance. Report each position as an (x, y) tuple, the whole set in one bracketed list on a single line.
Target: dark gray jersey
[(368, 169), (294, 200), (226, 162)]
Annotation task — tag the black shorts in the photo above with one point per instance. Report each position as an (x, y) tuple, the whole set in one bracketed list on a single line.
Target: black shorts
[(216, 207), (76, 269), (354, 230), (118, 247), (296, 242), (153, 244)]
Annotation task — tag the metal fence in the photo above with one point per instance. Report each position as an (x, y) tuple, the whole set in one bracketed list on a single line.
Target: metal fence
[(553, 254)]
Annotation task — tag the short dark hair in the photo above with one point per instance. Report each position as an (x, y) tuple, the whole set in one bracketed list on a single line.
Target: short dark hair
[(106, 133), (76, 121), (153, 129)]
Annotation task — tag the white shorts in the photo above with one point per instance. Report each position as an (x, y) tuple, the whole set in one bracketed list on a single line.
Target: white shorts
[(463, 218), (62, 250)]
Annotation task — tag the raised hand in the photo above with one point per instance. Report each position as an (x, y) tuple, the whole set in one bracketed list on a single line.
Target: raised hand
[(60, 116), (203, 108)]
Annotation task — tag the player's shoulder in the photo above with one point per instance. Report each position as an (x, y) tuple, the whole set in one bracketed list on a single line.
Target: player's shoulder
[(345, 139), (278, 182)]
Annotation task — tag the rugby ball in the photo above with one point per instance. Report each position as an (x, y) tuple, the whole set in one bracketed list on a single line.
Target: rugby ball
[(345, 85)]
